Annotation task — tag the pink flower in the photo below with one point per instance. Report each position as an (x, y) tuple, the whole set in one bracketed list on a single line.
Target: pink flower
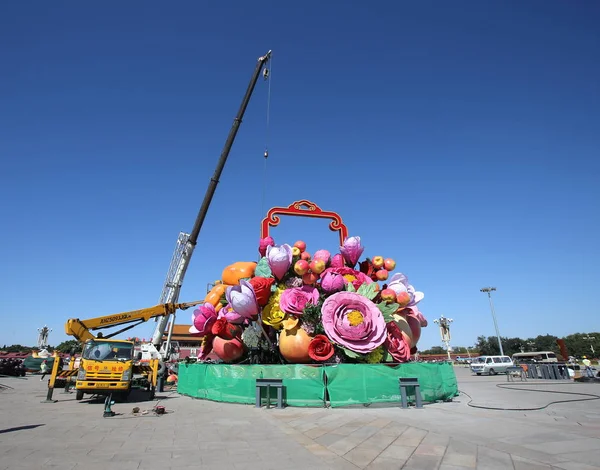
[(203, 319), (242, 299), (322, 255), (351, 276), (279, 258), (397, 343), (337, 261), (352, 250), (294, 300), (332, 282), (353, 322), (264, 243)]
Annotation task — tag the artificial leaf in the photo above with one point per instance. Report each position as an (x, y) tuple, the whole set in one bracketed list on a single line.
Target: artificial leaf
[(263, 269), (387, 357), (368, 290), (350, 287), (350, 354), (387, 310)]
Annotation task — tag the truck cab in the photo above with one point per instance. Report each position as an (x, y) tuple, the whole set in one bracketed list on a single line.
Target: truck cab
[(106, 367)]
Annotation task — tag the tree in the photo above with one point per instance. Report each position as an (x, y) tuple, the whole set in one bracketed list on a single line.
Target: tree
[(67, 346)]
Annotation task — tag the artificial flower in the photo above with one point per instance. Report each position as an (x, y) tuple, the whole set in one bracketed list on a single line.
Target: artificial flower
[(225, 330), (280, 259), (272, 315), (231, 315), (337, 261), (294, 300), (332, 281), (264, 243), (415, 312), (322, 255), (320, 348), (243, 299), (206, 346), (397, 343), (262, 289), (352, 250), (351, 276), (353, 322), (294, 282), (203, 319), (399, 283), (375, 356)]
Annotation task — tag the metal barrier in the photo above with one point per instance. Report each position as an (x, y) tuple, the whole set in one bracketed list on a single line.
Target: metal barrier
[(547, 371)]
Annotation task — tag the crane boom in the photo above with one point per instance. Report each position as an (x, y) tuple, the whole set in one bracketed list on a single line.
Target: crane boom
[(82, 329), (183, 260)]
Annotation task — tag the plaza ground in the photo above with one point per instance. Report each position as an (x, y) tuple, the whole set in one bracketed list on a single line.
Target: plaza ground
[(206, 435)]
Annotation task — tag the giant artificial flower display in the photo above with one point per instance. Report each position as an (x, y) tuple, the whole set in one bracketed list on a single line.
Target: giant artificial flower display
[(311, 309)]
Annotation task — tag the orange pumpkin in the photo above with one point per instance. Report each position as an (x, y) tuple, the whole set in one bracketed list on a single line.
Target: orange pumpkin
[(236, 271)]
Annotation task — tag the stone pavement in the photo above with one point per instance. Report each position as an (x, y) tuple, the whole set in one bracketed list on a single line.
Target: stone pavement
[(205, 435)]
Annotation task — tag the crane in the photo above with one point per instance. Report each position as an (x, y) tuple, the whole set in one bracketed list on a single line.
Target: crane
[(186, 243)]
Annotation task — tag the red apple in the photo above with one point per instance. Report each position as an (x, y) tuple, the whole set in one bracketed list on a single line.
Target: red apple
[(305, 255), (403, 299), (381, 275), (317, 266), (389, 264), (301, 267), (378, 262), (388, 295), (309, 278), (300, 245)]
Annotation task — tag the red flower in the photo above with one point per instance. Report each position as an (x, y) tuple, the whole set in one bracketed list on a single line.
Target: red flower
[(397, 343), (223, 329), (320, 348), (351, 276), (262, 289)]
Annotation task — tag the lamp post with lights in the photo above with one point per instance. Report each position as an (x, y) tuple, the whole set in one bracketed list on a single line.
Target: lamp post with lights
[(445, 332), (488, 291)]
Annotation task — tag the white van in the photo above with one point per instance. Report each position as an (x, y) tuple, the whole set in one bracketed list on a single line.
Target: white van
[(491, 365)]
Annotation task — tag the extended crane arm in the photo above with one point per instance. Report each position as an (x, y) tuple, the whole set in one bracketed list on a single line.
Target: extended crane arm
[(82, 329)]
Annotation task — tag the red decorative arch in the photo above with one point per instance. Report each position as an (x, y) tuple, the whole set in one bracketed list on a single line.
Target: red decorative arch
[(304, 208)]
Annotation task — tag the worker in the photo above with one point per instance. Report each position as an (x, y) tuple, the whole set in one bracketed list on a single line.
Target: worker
[(588, 367), (43, 369)]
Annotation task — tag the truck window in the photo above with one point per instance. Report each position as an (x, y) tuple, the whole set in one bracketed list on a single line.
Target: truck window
[(497, 360)]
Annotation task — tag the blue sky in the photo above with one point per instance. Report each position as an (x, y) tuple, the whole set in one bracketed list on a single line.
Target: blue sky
[(460, 138)]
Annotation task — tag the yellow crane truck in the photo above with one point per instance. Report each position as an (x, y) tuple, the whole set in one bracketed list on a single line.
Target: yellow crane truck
[(107, 365)]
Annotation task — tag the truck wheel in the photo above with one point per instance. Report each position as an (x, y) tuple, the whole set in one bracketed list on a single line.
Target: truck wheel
[(79, 395), (478, 373), (492, 372)]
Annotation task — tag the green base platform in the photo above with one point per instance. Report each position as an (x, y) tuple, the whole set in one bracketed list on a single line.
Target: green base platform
[(316, 385)]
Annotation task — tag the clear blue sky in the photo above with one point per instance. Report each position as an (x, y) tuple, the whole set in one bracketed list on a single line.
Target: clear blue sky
[(460, 138)]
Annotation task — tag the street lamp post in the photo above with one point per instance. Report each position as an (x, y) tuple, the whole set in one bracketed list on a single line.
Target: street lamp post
[(445, 332), (488, 291), (590, 339)]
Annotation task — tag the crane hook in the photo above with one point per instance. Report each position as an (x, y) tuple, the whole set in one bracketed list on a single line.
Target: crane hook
[(266, 73), (266, 154)]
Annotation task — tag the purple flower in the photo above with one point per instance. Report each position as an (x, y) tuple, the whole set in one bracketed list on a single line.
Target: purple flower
[(279, 258), (203, 319), (352, 250), (242, 299), (399, 283), (294, 282), (231, 315), (294, 300), (263, 244), (332, 282), (353, 322)]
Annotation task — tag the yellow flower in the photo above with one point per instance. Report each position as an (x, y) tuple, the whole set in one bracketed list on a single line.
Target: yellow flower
[(375, 356), (272, 315)]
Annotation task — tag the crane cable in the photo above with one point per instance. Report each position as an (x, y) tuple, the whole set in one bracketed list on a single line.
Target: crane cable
[(267, 77)]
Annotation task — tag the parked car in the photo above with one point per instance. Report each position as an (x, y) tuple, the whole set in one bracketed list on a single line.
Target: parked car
[(491, 365)]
